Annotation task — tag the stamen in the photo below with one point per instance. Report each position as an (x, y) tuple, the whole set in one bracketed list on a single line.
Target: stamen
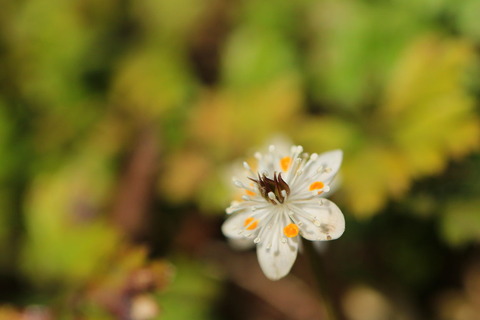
[(296, 170), (291, 230), (250, 223), (238, 183), (248, 168), (292, 216), (285, 163), (317, 185), (268, 222), (324, 169), (235, 206)]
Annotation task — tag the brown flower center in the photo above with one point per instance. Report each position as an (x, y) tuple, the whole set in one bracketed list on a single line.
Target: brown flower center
[(276, 186)]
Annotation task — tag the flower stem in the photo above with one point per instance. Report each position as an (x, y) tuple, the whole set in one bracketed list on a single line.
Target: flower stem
[(323, 285)]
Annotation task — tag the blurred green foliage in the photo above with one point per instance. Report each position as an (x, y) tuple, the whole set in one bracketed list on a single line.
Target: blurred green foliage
[(193, 284), (395, 84)]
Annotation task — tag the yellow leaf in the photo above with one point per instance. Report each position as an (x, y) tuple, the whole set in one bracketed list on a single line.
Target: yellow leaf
[(430, 112)]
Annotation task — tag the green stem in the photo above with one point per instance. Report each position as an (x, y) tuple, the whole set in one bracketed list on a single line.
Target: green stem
[(322, 282)]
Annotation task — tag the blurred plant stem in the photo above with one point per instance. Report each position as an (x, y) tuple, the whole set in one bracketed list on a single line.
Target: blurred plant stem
[(134, 193), (323, 283)]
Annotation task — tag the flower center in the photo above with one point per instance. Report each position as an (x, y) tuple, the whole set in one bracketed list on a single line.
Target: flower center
[(275, 190)]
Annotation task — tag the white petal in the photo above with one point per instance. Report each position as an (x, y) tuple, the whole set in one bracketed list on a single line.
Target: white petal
[(331, 162), (319, 222), (335, 184), (234, 227), (276, 257)]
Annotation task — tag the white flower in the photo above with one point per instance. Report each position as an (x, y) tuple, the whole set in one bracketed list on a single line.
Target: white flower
[(284, 199)]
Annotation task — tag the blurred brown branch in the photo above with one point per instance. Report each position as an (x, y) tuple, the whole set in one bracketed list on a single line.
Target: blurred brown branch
[(290, 296), (134, 193)]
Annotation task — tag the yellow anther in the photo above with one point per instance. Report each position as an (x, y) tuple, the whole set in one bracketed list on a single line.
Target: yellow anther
[(291, 230), (285, 163), (317, 185), (250, 223)]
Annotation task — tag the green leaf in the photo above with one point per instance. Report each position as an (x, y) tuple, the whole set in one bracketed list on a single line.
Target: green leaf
[(460, 223)]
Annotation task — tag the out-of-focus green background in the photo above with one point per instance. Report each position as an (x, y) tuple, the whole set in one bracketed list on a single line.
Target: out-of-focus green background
[(120, 122)]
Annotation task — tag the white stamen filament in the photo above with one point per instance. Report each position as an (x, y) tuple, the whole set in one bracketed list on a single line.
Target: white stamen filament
[(247, 167), (304, 214), (241, 185), (238, 183), (292, 216), (264, 225), (293, 170)]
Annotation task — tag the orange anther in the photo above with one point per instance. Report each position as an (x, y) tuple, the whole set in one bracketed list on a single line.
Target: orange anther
[(250, 223), (285, 163), (317, 185), (291, 230), (248, 192)]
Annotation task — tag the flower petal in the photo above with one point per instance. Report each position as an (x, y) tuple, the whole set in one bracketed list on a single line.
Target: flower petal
[(234, 226), (277, 254), (331, 161), (319, 222)]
